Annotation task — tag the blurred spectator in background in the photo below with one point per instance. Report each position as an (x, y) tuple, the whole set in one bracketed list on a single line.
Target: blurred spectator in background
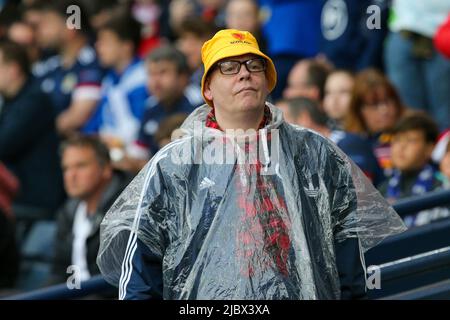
[(244, 15), (147, 13), (32, 13), (292, 31), (118, 116), (101, 11), (338, 94), (442, 38), (168, 76), (92, 187), (374, 111), (28, 140), (193, 33), (23, 33), (179, 11), (306, 113), (307, 79), (213, 11), (419, 72), (353, 32), (413, 141), (72, 78), (9, 262)]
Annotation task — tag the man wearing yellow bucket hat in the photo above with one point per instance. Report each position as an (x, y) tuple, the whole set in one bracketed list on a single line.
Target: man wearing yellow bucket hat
[(237, 78), (293, 224)]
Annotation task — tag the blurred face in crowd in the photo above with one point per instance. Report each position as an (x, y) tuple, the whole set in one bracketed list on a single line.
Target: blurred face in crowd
[(410, 151), (164, 81), (33, 18), (51, 32), (338, 93), (297, 83), (83, 174), (242, 15), (110, 48), (191, 46), (379, 112), (445, 163), (178, 11), (7, 73), (23, 33), (241, 92)]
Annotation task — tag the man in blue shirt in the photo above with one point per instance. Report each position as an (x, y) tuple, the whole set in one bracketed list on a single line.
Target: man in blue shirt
[(353, 32), (71, 78), (118, 115), (168, 74)]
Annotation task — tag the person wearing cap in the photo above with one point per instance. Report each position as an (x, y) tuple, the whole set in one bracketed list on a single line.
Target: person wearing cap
[(243, 205)]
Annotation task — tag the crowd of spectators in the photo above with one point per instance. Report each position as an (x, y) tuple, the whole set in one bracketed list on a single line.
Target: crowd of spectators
[(88, 95)]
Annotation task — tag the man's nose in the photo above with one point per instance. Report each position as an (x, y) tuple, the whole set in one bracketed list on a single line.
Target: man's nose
[(244, 73)]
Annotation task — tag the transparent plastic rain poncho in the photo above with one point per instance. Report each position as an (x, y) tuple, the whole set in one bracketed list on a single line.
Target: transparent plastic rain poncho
[(194, 215)]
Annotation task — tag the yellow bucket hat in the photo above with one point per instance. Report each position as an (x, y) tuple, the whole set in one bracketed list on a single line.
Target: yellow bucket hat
[(231, 43)]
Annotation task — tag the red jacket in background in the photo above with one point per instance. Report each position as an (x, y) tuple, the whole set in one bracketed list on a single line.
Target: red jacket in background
[(442, 38)]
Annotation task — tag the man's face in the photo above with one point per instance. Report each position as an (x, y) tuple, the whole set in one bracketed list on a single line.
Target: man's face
[(242, 15), (6, 74), (109, 48), (410, 151), (380, 115), (83, 174), (241, 92), (191, 46), (297, 83), (164, 80), (338, 93), (51, 31)]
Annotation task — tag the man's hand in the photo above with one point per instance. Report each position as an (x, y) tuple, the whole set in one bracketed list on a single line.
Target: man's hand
[(75, 116)]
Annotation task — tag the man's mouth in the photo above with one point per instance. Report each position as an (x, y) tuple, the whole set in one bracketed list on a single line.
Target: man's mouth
[(246, 89)]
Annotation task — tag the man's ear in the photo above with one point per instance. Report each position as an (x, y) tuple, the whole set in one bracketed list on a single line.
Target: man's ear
[(207, 90)]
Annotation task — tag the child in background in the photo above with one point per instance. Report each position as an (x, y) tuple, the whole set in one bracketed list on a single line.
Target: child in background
[(413, 140)]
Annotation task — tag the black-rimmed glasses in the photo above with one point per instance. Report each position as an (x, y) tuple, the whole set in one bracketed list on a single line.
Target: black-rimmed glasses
[(229, 67)]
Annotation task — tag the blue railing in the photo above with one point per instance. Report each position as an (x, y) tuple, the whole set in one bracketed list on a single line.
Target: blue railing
[(411, 205), (95, 285), (427, 201)]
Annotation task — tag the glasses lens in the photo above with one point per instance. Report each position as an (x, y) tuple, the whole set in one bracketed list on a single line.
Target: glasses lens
[(229, 67), (256, 65)]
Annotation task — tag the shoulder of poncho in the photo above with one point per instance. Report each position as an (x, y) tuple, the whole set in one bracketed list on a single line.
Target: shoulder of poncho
[(315, 141), (163, 156)]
